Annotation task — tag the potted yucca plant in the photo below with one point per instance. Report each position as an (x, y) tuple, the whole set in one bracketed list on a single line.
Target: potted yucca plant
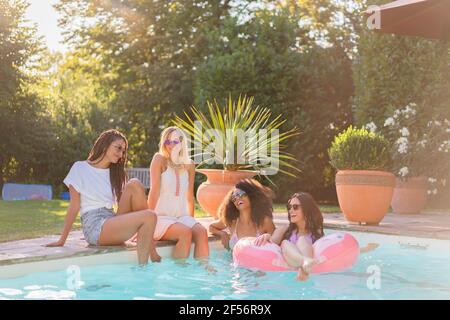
[(249, 141), (363, 185)]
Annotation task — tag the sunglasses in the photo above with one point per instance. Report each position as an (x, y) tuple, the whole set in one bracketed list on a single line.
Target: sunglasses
[(174, 142), (293, 206), (238, 195)]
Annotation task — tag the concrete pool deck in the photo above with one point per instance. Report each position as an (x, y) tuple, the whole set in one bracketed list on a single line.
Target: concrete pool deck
[(425, 225)]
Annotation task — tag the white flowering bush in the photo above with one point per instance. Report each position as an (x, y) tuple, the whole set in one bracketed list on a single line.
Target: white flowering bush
[(421, 146)]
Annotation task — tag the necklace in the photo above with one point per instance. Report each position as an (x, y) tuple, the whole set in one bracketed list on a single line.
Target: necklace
[(174, 165)]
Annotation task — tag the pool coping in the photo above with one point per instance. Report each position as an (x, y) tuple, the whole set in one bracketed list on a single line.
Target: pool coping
[(431, 225)]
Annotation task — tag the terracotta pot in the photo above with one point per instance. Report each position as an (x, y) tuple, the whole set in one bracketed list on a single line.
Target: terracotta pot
[(364, 195), (211, 193), (410, 196)]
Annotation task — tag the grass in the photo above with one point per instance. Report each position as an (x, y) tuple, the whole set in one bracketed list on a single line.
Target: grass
[(32, 219)]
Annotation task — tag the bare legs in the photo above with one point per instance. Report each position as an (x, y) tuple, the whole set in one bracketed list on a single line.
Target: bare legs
[(132, 216), (299, 255), (133, 197), (184, 236), (200, 237)]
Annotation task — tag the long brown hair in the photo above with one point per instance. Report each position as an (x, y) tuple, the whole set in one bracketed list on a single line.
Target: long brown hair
[(312, 215), (260, 202), (117, 174)]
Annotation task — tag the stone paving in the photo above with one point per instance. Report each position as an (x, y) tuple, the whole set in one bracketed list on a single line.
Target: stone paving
[(427, 225)]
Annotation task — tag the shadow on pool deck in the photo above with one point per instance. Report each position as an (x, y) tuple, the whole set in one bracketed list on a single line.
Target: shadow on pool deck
[(425, 225)]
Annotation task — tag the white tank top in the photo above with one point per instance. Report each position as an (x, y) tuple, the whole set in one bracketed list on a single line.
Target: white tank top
[(171, 203)]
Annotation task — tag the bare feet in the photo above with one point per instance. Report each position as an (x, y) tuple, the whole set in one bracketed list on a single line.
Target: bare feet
[(308, 264), (302, 275), (205, 263), (369, 247), (154, 256), (210, 268), (304, 271)]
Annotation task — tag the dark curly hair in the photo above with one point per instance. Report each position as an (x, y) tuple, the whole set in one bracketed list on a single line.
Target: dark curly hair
[(260, 202), (312, 215)]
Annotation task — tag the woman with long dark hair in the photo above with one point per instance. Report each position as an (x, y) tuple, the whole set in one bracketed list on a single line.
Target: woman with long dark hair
[(297, 238), (99, 183), (246, 211)]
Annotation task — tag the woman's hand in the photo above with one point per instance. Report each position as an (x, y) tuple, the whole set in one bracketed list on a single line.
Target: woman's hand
[(262, 239), (225, 238), (58, 243), (133, 238)]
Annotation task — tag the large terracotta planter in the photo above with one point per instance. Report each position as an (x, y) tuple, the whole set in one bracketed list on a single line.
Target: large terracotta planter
[(211, 193), (410, 196), (364, 195)]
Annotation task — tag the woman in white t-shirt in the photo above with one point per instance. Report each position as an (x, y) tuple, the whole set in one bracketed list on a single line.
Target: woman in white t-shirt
[(171, 195), (95, 186)]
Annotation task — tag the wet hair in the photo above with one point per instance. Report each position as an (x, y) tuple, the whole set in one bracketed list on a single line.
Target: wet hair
[(260, 202), (311, 213), (117, 174)]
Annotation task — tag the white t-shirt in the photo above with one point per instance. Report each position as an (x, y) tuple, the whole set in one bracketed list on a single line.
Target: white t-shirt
[(93, 184)]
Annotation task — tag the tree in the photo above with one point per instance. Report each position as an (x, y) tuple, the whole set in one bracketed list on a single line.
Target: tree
[(151, 48), (26, 143), (268, 57)]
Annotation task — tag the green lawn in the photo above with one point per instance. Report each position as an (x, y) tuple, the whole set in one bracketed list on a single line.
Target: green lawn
[(32, 219)]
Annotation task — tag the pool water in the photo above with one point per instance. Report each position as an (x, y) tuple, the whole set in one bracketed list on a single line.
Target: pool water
[(400, 268)]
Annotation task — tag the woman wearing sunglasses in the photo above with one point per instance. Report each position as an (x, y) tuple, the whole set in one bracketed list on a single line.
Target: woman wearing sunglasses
[(246, 211), (171, 195), (297, 238)]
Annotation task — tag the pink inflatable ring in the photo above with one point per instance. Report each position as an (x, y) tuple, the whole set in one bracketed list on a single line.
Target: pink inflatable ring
[(336, 252)]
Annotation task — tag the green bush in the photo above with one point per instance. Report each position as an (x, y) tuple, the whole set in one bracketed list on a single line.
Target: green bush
[(359, 149)]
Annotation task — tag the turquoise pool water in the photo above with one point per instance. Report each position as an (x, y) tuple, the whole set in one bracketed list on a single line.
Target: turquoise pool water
[(409, 268)]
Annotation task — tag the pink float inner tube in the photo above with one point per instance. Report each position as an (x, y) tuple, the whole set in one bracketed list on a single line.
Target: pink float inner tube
[(336, 252)]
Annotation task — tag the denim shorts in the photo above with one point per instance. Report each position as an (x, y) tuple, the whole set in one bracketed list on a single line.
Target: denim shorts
[(92, 222)]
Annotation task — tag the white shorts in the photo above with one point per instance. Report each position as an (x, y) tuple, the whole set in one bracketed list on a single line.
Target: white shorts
[(164, 222)]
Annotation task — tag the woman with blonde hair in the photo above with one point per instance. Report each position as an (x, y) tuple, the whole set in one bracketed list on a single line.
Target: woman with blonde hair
[(171, 195)]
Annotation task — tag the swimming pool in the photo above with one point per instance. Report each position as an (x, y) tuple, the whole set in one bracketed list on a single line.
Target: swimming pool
[(400, 268)]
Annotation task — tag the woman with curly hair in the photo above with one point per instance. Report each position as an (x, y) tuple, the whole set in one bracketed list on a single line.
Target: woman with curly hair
[(246, 211)]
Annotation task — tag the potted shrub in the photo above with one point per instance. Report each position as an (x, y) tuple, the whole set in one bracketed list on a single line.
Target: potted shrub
[(237, 130), (363, 185)]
